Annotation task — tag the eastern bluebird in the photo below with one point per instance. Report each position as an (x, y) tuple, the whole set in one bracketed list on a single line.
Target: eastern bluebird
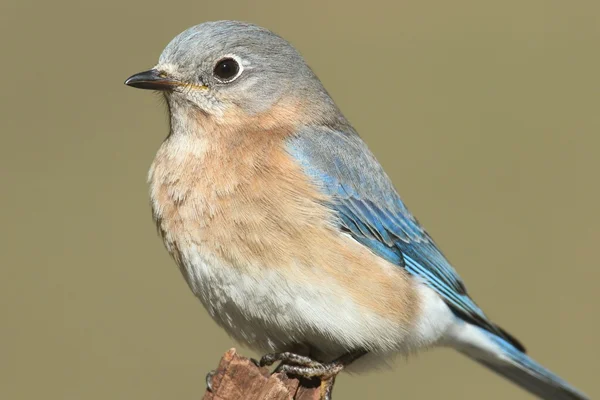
[(288, 230)]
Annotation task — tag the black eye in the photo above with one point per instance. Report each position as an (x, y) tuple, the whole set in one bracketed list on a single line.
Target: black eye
[(226, 69)]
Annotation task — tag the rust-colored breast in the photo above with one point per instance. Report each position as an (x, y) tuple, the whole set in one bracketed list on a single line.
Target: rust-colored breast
[(237, 195)]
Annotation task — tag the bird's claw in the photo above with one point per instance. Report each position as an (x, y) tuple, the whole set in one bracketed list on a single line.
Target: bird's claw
[(327, 388), (209, 378), (256, 362)]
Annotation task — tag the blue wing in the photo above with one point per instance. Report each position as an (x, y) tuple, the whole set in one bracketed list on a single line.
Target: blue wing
[(371, 211)]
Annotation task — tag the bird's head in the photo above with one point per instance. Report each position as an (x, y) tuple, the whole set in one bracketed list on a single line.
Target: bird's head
[(229, 67)]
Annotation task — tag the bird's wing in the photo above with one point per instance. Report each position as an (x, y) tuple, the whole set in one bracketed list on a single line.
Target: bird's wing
[(371, 211)]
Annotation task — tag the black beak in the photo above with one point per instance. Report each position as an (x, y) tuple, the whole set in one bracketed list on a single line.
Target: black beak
[(151, 79)]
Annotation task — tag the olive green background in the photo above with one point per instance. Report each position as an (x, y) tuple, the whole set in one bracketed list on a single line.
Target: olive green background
[(484, 113)]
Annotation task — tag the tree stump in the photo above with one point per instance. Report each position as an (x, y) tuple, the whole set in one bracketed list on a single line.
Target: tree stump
[(238, 378)]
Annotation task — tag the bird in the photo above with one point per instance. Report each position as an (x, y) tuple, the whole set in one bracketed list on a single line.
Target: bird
[(288, 230)]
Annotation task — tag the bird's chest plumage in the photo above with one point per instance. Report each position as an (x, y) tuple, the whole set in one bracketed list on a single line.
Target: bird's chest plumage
[(236, 216), (259, 248), (242, 201)]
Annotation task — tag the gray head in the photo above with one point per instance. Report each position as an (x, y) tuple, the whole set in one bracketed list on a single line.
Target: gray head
[(225, 65)]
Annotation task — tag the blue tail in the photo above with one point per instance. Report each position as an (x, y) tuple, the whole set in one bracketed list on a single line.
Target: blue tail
[(503, 358)]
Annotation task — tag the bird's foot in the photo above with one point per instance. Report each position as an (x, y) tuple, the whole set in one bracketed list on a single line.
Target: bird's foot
[(306, 367), (288, 358), (317, 370)]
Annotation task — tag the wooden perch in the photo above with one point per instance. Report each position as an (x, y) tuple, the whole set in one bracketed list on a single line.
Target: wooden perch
[(239, 378)]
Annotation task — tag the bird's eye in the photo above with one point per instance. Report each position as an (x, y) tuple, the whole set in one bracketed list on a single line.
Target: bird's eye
[(227, 70)]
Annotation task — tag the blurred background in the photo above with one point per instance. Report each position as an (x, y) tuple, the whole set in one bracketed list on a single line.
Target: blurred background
[(484, 113)]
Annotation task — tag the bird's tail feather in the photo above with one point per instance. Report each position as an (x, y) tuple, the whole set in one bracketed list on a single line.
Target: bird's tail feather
[(503, 358)]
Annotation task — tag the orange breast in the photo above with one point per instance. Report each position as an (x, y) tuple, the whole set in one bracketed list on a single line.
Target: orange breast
[(236, 194)]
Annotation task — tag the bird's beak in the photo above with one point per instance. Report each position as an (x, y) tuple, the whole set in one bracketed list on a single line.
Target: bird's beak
[(151, 79)]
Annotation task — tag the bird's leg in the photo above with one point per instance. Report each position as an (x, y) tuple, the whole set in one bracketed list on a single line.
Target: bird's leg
[(306, 367)]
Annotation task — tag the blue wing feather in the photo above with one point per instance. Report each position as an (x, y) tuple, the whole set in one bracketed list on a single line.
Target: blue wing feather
[(370, 209)]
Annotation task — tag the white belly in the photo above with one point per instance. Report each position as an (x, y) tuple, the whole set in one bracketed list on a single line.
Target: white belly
[(271, 313)]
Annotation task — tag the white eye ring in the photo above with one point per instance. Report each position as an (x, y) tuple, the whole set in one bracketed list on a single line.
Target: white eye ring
[(238, 66)]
